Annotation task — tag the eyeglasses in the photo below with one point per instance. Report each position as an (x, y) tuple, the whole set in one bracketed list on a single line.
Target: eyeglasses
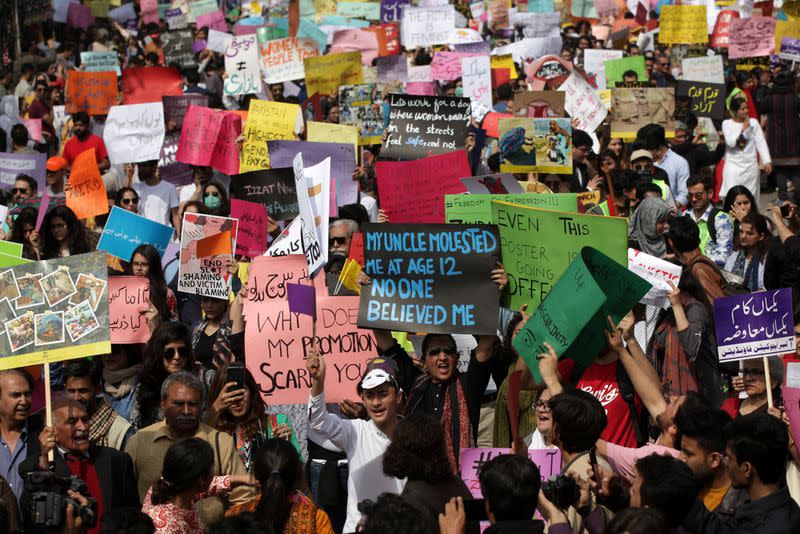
[(19, 190), (140, 264), (337, 241), (171, 352), (542, 405), (449, 351), (126, 201)]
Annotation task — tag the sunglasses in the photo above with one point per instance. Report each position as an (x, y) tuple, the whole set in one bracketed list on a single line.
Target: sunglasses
[(182, 352), (449, 351), (337, 240), (19, 190), (126, 201)]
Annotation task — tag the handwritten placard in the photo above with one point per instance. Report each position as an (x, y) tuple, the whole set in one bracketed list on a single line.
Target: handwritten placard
[(92, 92), (706, 99), (683, 24), (87, 195), (427, 26), (282, 59), (703, 69), (266, 121), (252, 238), (242, 66), (656, 271), (477, 80), (124, 231), (547, 460), (12, 165), (420, 126), (582, 103), (134, 133), (753, 37), (324, 74), (128, 298)]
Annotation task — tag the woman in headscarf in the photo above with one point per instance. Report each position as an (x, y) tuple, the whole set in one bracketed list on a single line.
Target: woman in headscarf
[(647, 226)]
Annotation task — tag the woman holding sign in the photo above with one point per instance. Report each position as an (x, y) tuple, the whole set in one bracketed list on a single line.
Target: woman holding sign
[(752, 380), (146, 262)]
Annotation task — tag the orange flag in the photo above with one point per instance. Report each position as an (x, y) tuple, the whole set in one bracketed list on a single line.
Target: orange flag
[(87, 195), (214, 245)]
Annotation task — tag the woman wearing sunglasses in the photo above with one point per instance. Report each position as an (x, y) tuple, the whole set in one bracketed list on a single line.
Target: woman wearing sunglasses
[(168, 351), (128, 199)]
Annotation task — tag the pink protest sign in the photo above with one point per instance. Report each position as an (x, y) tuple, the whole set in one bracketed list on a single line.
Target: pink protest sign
[(225, 157), (79, 16), (547, 460), (420, 88), (128, 296), (252, 238), (356, 40), (791, 403), (214, 20), (413, 191), (199, 135), (446, 66), (34, 127), (753, 37)]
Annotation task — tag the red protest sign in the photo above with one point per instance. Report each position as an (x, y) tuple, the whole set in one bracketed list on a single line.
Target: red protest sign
[(225, 157), (148, 84), (199, 134), (722, 28)]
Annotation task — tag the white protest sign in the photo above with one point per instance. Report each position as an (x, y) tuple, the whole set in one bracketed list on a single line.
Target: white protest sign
[(123, 13), (427, 26), (703, 69), (594, 63), (282, 59), (476, 76), (582, 103), (537, 24), (134, 133), (241, 65), (420, 73), (656, 271), (530, 48), (218, 41), (318, 178)]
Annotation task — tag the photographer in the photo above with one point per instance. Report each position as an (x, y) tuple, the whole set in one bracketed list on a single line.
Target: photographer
[(107, 473)]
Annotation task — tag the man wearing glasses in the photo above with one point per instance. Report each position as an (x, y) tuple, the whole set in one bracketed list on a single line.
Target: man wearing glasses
[(661, 72), (24, 188)]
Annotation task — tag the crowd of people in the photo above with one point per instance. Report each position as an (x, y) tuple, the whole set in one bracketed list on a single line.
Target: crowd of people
[(174, 435)]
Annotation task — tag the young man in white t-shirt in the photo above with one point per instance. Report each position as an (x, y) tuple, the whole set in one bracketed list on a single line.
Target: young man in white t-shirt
[(158, 200), (364, 442)]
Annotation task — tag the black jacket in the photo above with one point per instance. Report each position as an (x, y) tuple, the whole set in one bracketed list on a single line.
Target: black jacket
[(775, 514), (528, 526), (114, 472)]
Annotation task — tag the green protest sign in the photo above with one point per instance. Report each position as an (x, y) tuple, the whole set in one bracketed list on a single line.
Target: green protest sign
[(616, 67), (477, 209), (7, 260), (11, 248), (574, 315), (538, 245)]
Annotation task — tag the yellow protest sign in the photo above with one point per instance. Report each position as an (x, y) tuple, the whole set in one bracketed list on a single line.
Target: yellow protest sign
[(683, 25), (326, 132), (504, 62), (324, 74), (266, 121)]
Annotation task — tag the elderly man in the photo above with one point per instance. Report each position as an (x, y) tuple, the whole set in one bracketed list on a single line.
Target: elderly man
[(181, 401), (107, 472), (17, 432), (340, 234)]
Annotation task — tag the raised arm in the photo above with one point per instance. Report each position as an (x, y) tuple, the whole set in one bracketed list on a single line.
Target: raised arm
[(648, 389)]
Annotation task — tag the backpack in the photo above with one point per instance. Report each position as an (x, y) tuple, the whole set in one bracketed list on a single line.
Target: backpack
[(641, 421), (731, 283)]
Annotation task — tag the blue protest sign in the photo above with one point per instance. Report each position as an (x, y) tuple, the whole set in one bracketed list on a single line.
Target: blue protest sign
[(125, 231)]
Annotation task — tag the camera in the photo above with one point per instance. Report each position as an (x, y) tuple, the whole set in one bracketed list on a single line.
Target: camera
[(49, 500), (562, 491)]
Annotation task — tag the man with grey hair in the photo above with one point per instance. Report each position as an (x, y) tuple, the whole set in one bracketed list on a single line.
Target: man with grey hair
[(181, 402), (340, 235), (18, 430)]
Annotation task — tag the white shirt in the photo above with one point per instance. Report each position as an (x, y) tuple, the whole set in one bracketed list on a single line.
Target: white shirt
[(364, 444), (157, 201)]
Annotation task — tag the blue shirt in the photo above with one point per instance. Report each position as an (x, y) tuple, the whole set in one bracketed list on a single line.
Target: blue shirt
[(677, 170), (10, 461)]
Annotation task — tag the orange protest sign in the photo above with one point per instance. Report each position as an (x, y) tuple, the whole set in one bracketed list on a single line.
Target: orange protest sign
[(87, 194), (214, 245), (92, 92)]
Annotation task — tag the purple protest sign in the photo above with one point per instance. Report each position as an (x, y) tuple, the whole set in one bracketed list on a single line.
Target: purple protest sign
[(42, 210), (12, 165), (302, 299), (547, 460), (754, 324), (392, 10), (790, 49)]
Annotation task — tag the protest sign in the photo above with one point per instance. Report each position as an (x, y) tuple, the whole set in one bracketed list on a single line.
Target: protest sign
[(631, 109), (477, 208), (34, 127), (413, 191), (273, 188), (325, 132), (176, 20), (205, 274), (318, 187), (791, 404), (363, 106), (720, 37), (12, 165), (123, 13), (225, 157), (202, 7), (655, 271), (547, 460), (573, 317), (87, 196), (60, 310), (421, 126), (582, 103), (266, 121), (213, 20), (218, 41), (538, 245), (128, 298), (753, 37), (594, 61), (703, 69), (199, 133), (754, 324), (392, 10), (539, 104), (789, 49), (92, 92), (706, 99), (683, 24), (282, 59), (492, 184), (324, 74), (615, 68), (149, 84), (281, 154), (177, 45), (252, 238), (134, 133), (171, 170), (9, 247), (392, 69), (426, 26), (364, 41), (549, 150), (359, 10), (536, 24), (124, 231), (100, 62), (242, 66), (79, 16), (446, 66), (175, 108), (477, 80), (418, 272)]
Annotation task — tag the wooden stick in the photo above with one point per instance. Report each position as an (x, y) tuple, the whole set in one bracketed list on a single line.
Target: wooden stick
[(769, 382), (48, 407)]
